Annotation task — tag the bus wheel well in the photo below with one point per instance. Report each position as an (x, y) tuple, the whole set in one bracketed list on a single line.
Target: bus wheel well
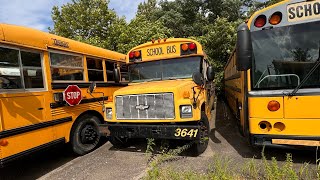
[(89, 112)]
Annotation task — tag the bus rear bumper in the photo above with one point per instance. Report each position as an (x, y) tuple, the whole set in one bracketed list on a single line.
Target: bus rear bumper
[(285, 141), (150, 131)]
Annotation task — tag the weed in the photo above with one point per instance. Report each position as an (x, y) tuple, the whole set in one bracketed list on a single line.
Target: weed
[(150, 145), (251, 170)]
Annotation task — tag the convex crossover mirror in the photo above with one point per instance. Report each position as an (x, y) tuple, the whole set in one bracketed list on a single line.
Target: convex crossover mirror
[(197, 78), (210, 73)]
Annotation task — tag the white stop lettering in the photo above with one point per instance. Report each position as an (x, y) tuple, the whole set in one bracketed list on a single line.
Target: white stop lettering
[(73, 95)]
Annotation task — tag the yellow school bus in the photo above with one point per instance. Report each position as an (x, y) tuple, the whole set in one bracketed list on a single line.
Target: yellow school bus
[(35, 69), (272, 79), (170, 95)]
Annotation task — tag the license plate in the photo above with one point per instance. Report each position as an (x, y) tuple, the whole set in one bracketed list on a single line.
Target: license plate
[(303, 11), (186, 133)]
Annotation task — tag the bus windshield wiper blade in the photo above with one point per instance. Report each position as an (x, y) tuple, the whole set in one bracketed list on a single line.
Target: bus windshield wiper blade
[(304, 80)]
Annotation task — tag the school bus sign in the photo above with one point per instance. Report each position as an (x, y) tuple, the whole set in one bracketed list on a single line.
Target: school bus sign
[(72, 95)]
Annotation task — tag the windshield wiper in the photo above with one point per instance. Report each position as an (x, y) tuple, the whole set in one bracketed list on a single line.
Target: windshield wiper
[(304, 80)]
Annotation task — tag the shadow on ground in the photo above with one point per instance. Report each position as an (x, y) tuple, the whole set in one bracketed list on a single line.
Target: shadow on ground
[(225, 125), (38, 163)]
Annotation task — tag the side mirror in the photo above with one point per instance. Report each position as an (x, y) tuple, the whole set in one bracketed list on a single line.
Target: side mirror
[(244, 48), (116, 74), (92, 87), (210, 73), (197, 78)]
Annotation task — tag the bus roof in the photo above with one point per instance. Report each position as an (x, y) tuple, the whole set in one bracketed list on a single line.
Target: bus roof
[(164, 43), (32, 38)]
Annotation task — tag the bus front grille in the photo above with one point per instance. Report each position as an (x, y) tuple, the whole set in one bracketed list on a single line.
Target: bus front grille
[(145, 106)]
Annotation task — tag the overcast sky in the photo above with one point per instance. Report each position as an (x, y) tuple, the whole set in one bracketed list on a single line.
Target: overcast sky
[(37, 13)]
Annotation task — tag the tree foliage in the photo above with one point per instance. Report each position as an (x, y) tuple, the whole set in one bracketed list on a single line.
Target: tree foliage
[(212, 22)]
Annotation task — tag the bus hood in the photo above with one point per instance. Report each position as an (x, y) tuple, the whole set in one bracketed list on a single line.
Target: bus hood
[(173, 86)]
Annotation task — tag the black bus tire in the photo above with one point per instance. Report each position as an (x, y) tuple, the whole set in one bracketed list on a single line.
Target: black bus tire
[(85, 135), (201, 145)]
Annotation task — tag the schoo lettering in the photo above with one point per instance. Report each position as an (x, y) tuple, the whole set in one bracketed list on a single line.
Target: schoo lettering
[(154, 51), (306, 10)]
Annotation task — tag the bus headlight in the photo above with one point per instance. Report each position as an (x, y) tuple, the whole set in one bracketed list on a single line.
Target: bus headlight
[(186, 111), (108, 113)]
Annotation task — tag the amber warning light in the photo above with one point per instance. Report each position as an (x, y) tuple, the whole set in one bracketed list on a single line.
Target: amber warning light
[(273, 106), (188, 48), (135, 56)]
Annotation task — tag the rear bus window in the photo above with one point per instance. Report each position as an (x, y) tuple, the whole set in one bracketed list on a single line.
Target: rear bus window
[(66, 67)]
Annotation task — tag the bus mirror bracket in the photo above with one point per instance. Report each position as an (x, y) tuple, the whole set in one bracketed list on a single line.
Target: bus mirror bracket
[(244, 48), (92, 87), (116, 74), (197, 78), (210, 73), (91, 90)]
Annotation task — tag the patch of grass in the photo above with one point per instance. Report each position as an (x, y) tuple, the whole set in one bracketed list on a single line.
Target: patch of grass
[(221, 169), (251, 170)]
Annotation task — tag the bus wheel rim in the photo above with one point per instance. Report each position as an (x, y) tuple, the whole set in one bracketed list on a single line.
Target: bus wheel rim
[(88, 134)]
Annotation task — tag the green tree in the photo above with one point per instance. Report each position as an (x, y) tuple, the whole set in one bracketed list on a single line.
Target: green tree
[(140, 31), (89, 21)]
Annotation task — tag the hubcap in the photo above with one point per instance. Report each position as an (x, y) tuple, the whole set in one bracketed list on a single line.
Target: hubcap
[(89, 135)]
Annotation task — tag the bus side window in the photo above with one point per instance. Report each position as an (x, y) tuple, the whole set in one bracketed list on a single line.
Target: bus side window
[(10, 76), (109, 68), (32, 69), (95, 69), (66, 67)]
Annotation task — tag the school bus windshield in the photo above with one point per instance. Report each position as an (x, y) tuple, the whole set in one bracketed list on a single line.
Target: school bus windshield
[(283, 56), (179, 68)]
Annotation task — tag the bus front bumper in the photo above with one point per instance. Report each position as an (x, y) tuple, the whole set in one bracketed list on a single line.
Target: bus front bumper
[(185, 132), (285, 141)]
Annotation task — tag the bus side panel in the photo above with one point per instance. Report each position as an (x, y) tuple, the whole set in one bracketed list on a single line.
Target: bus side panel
[(21, 110), (25, 141)]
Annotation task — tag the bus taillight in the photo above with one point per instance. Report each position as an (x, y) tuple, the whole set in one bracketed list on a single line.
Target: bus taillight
[(260, 21), (275, 18)]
